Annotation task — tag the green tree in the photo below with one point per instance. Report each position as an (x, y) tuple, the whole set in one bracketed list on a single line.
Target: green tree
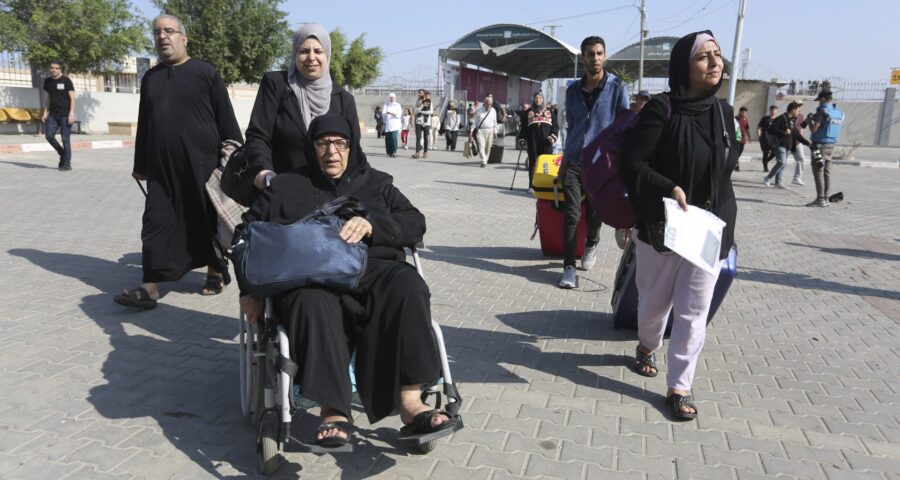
[(241, 38), (86, 35), (355, 66), (337, 64)]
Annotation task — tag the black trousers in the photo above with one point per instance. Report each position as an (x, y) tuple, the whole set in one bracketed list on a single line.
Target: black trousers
[(768, 153), (392, 338), (571, 182), (451, 139)]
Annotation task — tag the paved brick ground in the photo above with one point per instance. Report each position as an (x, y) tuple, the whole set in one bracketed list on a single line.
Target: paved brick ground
[(798, 380)]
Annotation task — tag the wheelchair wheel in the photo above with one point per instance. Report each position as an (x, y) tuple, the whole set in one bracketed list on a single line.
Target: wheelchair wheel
[(267, 446)]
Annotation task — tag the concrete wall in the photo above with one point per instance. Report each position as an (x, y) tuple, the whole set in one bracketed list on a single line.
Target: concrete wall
[(95, 109), (860, 121)]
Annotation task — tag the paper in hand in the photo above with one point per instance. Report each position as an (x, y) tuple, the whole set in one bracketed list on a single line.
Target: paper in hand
[(696, 235)]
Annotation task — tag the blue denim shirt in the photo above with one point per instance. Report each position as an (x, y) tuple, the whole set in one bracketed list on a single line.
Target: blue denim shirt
[(584, 125)]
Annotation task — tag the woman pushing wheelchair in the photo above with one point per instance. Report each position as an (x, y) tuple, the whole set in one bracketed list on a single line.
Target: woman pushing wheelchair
[(385, 321)]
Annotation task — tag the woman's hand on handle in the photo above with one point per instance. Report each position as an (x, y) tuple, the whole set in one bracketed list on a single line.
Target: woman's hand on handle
[(252, 307), (356, 229), (678, 195)]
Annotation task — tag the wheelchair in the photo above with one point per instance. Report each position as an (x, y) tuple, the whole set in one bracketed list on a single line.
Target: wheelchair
[(267, 389)]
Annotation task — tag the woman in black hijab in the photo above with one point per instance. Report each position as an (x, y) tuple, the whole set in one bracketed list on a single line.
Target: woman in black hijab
[(681, 148), (386, 321), (540, 130)]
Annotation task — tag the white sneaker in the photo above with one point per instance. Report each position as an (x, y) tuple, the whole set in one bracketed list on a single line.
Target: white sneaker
[(767, 182), (569, 278), (531, 191), (589, 259), (797, 181)]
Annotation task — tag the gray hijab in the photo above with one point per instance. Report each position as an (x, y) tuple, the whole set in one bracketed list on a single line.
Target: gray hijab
[(313, 96)]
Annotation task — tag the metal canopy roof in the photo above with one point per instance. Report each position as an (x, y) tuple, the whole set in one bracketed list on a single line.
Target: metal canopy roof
[(657, 52), (516, 50)]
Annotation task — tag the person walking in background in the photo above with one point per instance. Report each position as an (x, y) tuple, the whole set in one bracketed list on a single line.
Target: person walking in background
[(423, 128), (679, 149), (744, 129), (485, 126), (183, 117), (391, 114), (59, 114), (451, 125), (592, 103), (799, 124), (379, 122), (404, 125), (539, 131), (767, 142), (416, 126), (435, 127), (471, 141), (784, 129)]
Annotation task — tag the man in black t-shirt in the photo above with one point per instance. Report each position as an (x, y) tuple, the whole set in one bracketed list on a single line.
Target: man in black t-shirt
[(766, 142), (59, 114)]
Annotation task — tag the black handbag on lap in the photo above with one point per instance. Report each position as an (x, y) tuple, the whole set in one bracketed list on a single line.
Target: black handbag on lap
[(271, 258)]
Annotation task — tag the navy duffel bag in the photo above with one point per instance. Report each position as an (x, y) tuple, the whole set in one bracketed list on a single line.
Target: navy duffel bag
[(270, 258)]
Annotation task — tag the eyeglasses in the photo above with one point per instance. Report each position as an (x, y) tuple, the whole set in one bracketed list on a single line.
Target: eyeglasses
[(167, 32), (340, 144)]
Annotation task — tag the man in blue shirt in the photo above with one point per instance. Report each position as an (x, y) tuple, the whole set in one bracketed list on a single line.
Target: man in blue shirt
[(592, 103)]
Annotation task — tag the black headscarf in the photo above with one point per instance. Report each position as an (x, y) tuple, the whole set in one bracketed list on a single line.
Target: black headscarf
[(335, 124), (684, 126)]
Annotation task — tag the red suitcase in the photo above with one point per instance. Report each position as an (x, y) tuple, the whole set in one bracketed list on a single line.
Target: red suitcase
[(549, 224)]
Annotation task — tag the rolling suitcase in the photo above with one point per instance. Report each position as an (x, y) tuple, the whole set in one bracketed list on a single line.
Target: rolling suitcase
[(496, 154), (546, 172), (625, 294), (549, 223)]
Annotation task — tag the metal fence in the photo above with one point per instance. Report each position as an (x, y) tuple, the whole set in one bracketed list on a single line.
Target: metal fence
[(844, 90), (15, 72)]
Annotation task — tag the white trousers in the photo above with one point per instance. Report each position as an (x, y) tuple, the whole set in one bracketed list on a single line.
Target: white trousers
[(667, 282), (485, 137)]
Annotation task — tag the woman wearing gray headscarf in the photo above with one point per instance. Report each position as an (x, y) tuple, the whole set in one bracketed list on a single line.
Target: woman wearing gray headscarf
[(288, 101)]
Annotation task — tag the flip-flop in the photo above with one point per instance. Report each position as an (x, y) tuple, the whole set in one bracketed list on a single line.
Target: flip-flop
[(334, 441), (421, 423), (136, 298), (213, 285)]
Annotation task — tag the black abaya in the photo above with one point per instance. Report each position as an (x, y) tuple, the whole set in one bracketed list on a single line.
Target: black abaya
[(391, 334), (540, 125), (183, 117)]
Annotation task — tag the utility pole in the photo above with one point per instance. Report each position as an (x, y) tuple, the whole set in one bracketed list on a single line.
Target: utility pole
[(554, 83), (643, 34), (732, 82)]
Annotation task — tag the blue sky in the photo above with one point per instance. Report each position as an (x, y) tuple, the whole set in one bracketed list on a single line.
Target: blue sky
[(803, 40)]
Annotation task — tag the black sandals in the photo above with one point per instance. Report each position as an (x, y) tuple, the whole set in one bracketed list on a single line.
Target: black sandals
[(642, 360), (136, 298), (677, 402), (213, 286), (334, 441)]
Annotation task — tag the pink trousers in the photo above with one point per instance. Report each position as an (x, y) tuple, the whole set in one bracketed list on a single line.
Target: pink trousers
[(668, 282)]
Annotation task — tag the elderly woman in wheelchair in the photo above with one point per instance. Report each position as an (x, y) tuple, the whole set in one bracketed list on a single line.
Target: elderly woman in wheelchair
[(385, 321)]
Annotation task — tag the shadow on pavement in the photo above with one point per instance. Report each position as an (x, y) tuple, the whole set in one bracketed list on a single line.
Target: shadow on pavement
[(851, 252), (28, 165), (480, 355), (172, 365), (800, 280)]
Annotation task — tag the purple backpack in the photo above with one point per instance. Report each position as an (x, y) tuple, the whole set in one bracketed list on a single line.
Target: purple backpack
[(603, 183)]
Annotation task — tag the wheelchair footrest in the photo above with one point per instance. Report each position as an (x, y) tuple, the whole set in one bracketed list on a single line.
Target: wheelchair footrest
[(424, 438), (293, 445)]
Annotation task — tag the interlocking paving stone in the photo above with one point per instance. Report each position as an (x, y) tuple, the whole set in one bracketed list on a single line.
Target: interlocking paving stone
[(797, 378)]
